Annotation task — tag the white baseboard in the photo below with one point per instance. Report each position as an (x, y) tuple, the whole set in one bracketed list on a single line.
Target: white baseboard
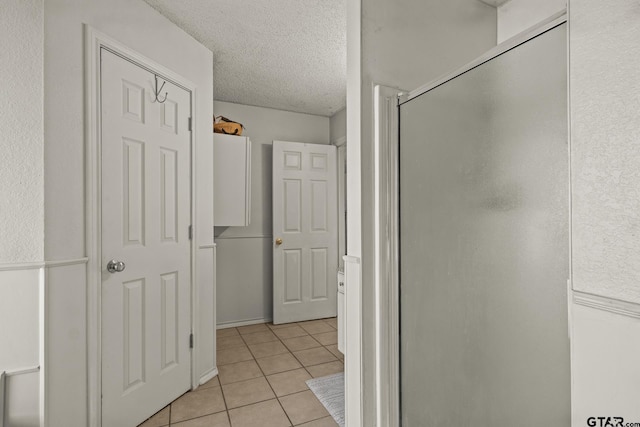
[(235, 324), (208, 376)]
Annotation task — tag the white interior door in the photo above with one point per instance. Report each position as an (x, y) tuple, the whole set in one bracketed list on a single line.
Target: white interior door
[(146, 309), (305, 231)]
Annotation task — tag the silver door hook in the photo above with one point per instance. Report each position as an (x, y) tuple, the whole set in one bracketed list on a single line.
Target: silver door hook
[(157, 91)]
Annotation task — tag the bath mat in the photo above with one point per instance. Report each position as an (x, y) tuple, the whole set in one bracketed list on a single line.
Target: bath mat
[(330, 392)]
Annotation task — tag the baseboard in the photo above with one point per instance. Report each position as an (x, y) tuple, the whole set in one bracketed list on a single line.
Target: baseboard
[(208, 376), (235, 324)]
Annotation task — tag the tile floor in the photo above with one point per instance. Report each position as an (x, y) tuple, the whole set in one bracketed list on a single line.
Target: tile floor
[(261, 382)]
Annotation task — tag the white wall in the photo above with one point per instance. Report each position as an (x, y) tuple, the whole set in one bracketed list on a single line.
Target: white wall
[(404, 44), (604, 57), (21, 402), (21, 204), (141, 28), (516, 16), (21, 139), (20, 326), (19, 317), (245, 275), (338, 125), (605, 346)]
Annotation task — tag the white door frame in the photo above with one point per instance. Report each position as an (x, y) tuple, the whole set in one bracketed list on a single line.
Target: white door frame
[(386, 259), (94, 41), (341, 144)]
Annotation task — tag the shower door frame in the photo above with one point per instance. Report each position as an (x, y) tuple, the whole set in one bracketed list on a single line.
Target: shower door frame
[(387, 102)]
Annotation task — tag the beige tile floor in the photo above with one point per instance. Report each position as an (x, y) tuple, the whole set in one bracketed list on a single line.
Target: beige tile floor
[(261, 382)]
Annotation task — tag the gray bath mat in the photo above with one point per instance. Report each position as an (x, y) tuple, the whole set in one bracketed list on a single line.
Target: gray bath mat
[(330, 392)]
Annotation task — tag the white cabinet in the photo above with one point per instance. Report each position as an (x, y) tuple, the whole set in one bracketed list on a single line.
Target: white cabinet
[(232, 175)]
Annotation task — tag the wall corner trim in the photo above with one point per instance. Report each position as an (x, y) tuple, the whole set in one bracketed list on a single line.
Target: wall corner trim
[(42, 264), (386, 254), (598, 302)]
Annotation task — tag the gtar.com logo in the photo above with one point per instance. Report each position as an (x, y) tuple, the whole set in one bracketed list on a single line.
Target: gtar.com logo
[(605, 422)]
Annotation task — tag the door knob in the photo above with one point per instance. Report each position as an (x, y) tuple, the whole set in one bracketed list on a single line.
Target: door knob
[(278, 241), (115, 266)]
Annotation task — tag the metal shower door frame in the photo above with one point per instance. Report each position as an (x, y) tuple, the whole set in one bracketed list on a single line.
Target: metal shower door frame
[(387, 101)]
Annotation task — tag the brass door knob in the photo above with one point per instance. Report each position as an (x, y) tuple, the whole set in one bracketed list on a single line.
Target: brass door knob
[(278, 241)]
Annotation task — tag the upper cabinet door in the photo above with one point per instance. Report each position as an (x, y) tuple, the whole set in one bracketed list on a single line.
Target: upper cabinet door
[(232, 185)]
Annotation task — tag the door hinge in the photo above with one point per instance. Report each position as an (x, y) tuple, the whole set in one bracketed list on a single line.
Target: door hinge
[(190, 232), (191, 340), (190, 124)]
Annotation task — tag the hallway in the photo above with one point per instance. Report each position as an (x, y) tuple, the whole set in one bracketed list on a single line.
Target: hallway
[(261, 381)]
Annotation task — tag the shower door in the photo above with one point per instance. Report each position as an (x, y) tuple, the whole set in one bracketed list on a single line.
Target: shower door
[(484, 244)]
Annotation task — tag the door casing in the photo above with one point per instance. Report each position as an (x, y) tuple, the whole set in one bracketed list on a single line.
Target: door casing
[(94, 41)]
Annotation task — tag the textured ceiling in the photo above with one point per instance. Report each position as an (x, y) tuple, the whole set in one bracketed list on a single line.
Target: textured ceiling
[(284, 54)]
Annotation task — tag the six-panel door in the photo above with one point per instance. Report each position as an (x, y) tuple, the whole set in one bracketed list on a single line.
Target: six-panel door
[(305, 219), (145, 221)]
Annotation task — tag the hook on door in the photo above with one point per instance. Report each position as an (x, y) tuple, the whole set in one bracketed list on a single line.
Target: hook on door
[(158, 91)]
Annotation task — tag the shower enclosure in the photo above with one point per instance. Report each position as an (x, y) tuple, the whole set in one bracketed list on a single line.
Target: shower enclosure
[(484, 244)]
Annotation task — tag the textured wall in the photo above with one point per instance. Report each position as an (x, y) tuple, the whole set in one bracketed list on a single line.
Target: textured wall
[(21, 139), (244, 276), (605, 142), (516, 16)]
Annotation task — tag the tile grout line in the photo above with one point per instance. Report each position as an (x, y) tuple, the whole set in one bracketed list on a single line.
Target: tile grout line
[(301, 364), (224, 399), (305, 368), (280, 340), (254, 359), (194, 418), (291, 394), (267, 380), (310, 335)]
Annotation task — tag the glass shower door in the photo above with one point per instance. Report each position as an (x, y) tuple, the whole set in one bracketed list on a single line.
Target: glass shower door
[(484, 244)]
